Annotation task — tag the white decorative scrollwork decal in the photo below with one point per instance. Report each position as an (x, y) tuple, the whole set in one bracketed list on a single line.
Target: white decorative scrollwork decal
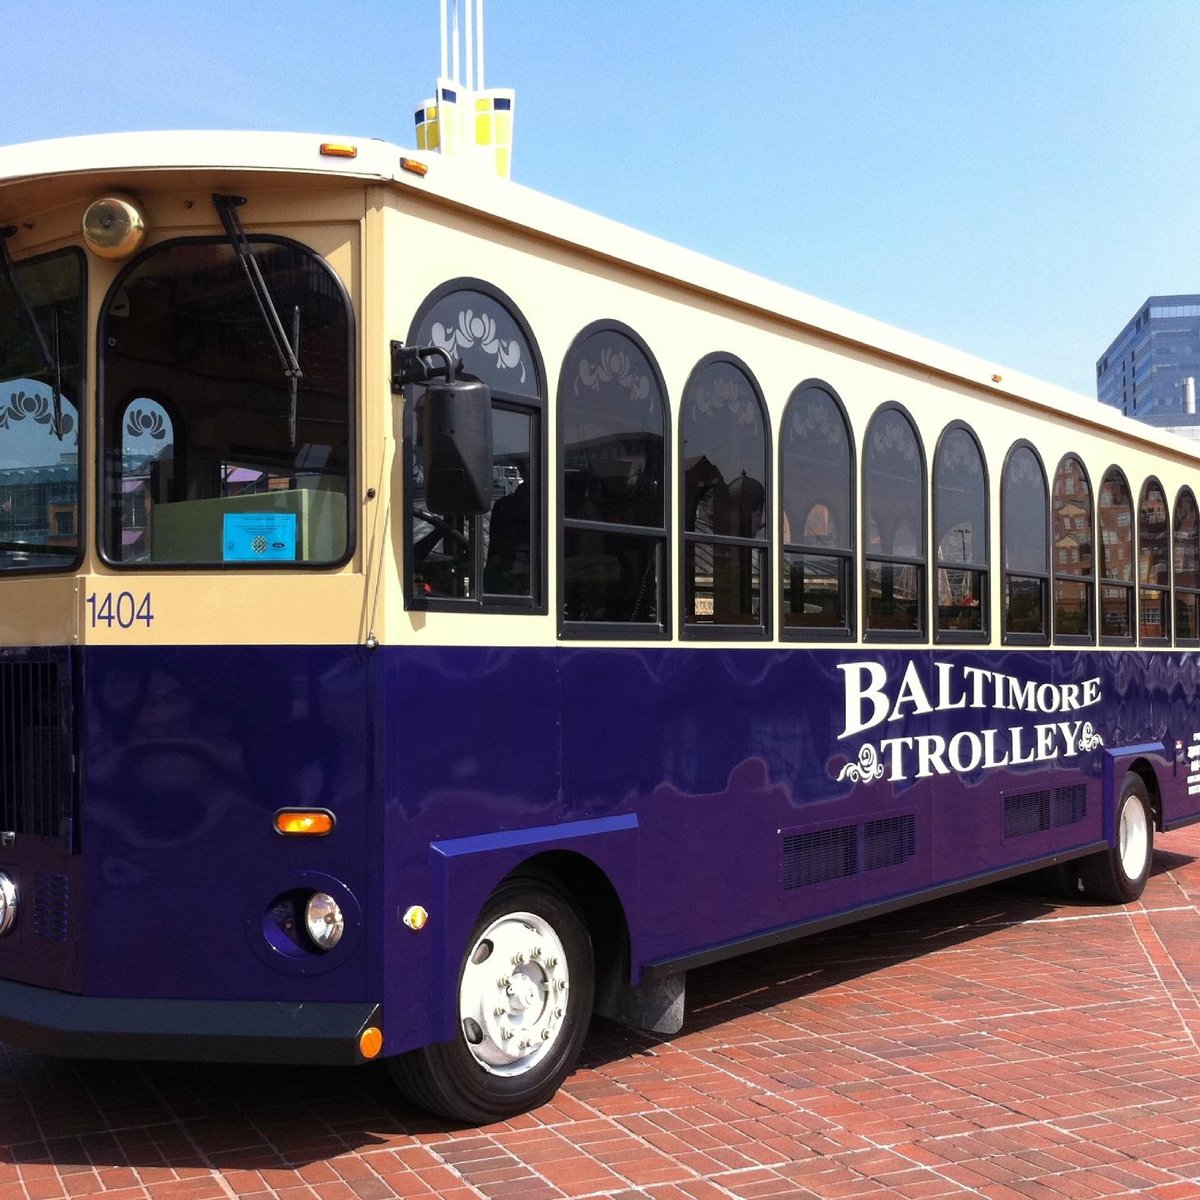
[(1089, 739), (867, 767)]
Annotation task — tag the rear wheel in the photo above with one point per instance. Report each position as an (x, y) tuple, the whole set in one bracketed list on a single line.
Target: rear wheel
[(1118, 875), (524, 1004)]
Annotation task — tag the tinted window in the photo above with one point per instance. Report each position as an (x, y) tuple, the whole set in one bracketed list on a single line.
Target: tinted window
[(724, 455), (1025, 531), (894, 507), (1115, 511), (1154, 563), (1073, 558), (613, 418), (1187, 568), (818, 516), (209, 458), (494, 558), (40, 348), (961, 533)]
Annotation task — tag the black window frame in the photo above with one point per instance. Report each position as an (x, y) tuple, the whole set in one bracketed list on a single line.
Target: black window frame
[(920, 561), (1065, 577), (1104, 580), (1177, 589), (981, 567), (536, 603), (1167, 590), (846, 557), (1020, 638), (578, 629), (121, 406), (760, 545)]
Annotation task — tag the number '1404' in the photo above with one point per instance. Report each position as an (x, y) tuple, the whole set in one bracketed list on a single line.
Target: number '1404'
[(123, 609)]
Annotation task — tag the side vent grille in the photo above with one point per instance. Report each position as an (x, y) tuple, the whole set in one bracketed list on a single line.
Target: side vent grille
[(36, 773), (1035, 812), (888, 843), (51, 906), (817, 857), (838, 853)]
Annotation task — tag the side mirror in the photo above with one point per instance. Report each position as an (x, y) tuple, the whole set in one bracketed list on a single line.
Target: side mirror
[(456, 442), (456, 429)]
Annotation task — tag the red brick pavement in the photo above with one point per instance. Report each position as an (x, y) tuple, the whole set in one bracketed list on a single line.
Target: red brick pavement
[(1003, 1044)]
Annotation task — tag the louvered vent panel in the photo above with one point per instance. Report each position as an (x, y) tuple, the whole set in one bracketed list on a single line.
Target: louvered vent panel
[(1070, 804), (889, 842), (815, 857), (1026, 812), (51, 906)]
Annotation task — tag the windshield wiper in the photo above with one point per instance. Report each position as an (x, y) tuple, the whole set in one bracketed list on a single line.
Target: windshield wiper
[(286, 348), (50, 358)]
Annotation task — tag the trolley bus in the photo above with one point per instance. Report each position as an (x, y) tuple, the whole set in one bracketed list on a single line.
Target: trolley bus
[(431, 614)]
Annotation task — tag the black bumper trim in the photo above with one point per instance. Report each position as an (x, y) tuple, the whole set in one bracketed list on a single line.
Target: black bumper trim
[(244, 1031)]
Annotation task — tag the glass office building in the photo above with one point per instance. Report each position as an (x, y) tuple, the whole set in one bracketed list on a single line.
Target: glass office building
[(1144, 372)]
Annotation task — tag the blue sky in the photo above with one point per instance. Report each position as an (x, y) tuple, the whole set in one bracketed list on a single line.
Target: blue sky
[(1009, 177)]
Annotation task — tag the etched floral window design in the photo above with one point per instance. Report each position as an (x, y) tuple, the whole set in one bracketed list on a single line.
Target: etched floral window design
[(147, 468), (894, 513), (613, 461), (1186, 544), (1074, 560), (723, 435), (1025, 535), (1154, 564), (495, 558), (817, 479), (1115, 511), (960, 519)]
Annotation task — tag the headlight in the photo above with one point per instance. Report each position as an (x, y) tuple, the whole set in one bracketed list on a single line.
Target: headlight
[(324, 921), (8, 904)]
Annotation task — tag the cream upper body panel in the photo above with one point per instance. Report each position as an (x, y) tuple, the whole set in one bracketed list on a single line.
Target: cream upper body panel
[(392, 236)]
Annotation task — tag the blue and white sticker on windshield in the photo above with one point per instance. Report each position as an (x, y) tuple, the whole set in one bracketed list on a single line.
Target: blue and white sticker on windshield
[(258, 537)]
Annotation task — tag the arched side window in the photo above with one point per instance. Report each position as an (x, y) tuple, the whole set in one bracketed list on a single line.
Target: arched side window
[(893, 526), (726, 482), (613, 419), (1154, 564), (1074, 562), (1115, 510), (960, 524), (1187, 569), (494, 560), (817, 479), (1025, 537)]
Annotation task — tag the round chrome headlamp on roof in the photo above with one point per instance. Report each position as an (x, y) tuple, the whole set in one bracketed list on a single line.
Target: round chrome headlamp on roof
[(8, 904), (113, 226)]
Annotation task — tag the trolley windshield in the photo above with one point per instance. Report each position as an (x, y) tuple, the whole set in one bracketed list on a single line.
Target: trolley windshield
[(41, 382)]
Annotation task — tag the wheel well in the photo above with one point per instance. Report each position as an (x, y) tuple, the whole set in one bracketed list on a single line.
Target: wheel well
[(598, 904), (1144, 770)]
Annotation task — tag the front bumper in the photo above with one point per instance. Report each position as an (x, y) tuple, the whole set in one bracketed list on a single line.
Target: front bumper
[(245, 1031)]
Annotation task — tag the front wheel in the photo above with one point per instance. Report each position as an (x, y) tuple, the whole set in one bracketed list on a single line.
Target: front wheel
[(1118, 875), (525, 991)]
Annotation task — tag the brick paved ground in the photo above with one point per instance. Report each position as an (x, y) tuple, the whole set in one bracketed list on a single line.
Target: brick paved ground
[(1003, 1044)]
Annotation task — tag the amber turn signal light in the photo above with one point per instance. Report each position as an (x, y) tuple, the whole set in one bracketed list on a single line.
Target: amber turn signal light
[(306, 822)]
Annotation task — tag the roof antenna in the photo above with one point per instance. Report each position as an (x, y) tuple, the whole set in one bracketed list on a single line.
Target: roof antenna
[(465, 119)]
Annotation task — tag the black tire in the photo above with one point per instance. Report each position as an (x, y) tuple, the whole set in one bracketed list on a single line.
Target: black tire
[(1118, 875), (517, 1039)]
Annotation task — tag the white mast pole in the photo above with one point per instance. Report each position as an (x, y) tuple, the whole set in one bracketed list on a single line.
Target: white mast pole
[(455, 46), (470, 47), (479, 44), (445, 48)]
